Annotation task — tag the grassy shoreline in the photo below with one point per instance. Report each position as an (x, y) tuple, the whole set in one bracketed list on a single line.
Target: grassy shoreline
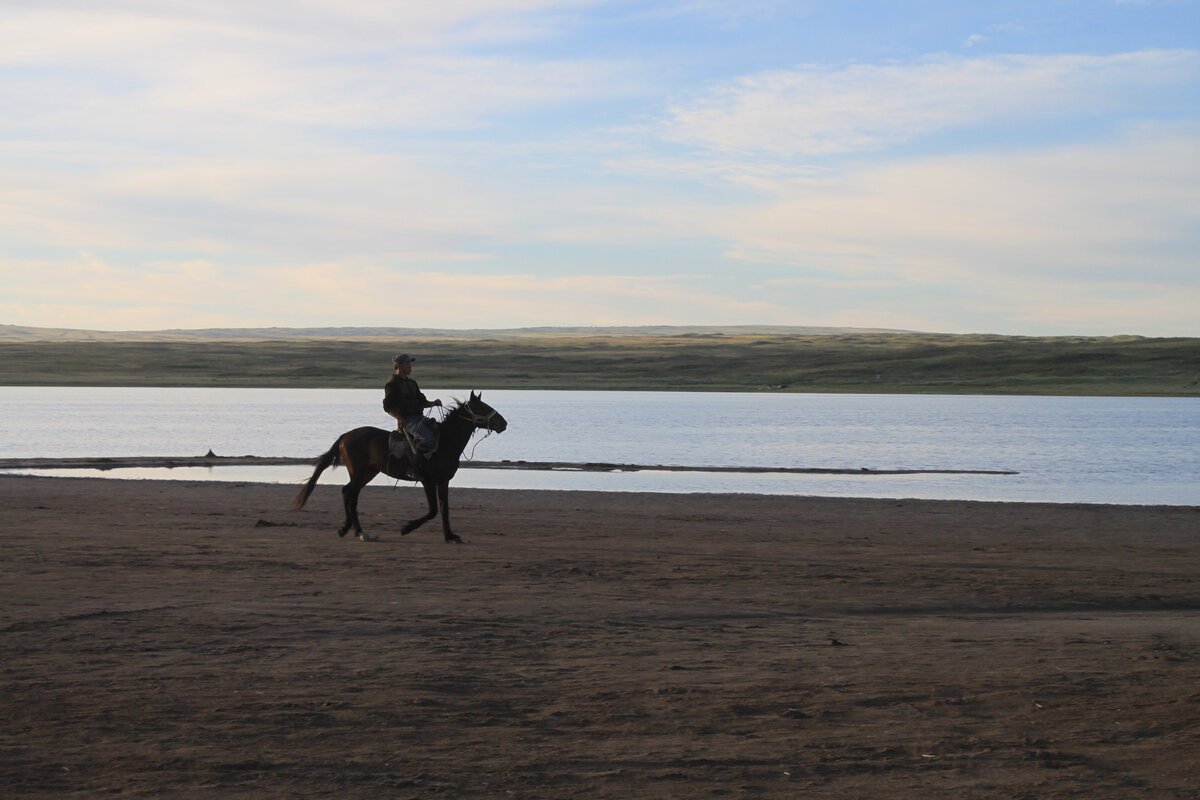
[(857, 362)]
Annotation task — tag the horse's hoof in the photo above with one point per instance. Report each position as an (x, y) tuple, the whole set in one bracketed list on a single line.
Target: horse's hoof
[(363, 536), (454, 538), (342, 532), (406, 530)]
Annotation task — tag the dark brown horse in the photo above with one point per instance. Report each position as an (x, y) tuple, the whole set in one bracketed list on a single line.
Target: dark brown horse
[(365, 453)]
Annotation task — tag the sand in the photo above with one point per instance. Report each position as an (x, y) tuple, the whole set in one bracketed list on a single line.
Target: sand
[(198, 640)]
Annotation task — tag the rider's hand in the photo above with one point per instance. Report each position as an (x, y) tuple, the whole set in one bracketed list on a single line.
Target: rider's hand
[(437, 403)]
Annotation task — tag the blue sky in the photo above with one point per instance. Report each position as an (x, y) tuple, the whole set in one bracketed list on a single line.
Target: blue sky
[(1004, 167)]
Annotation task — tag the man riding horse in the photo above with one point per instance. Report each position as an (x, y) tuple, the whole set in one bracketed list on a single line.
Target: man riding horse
[(366, 452), (402, 399)]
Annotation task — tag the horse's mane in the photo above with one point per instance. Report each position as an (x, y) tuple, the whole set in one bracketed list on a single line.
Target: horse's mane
[(459, 406)]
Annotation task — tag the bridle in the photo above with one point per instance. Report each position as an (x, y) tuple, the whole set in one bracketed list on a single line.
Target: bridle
[(477, 420), (481, 420)]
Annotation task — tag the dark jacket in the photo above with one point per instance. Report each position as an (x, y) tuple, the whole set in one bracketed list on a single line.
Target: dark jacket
[(402, 396)]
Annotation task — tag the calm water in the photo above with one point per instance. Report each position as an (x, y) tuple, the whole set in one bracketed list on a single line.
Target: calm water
[(1091, 450)]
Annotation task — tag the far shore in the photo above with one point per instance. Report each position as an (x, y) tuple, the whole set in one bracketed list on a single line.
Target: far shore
[(722, 360)]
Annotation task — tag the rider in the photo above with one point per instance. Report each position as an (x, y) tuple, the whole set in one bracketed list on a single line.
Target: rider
[(402, 399)]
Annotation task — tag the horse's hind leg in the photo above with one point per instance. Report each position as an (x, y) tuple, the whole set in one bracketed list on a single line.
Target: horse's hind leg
[(431, 497), (350, 494), (350, 504)]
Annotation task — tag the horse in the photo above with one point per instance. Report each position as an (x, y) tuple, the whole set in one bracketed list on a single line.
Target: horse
[(366, 453)]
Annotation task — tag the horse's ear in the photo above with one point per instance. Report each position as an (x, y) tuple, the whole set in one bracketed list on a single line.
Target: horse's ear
[(475, 396)]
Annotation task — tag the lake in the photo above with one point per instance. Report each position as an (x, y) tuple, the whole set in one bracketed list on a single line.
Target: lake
[(1065, 449)]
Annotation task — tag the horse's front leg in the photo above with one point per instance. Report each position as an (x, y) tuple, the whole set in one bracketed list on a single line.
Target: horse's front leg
[(444, 494), (432, 498)]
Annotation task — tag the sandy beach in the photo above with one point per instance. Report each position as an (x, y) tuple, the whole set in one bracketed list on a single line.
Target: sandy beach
[(196, 640)]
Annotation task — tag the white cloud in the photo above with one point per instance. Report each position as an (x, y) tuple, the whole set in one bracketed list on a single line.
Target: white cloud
[(1107, 309), (464, 300), (816, 110), (129, 31), (1073, 211), (329, 204), (204, 294), (228, 73), (1061, 236)]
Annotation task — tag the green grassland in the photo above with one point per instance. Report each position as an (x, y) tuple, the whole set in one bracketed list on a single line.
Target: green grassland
[(858, 362)]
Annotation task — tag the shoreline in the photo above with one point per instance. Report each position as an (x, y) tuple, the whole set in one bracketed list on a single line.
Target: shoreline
[(880, 486), (733, 496), (169, 462)]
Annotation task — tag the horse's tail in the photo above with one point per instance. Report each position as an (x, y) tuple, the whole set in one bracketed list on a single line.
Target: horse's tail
[(329, 458)]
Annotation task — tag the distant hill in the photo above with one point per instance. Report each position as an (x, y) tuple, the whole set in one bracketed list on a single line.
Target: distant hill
[(18, 333), (661, 358)]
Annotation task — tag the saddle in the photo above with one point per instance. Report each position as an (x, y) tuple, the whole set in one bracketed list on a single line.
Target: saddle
[(403, 450)]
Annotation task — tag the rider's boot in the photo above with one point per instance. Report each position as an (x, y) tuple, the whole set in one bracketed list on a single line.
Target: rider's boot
[(415, 464)]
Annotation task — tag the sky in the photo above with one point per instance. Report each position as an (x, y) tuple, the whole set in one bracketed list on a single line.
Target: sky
[(1021, 167)]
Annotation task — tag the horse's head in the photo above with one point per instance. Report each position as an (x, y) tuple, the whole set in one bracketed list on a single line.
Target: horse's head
[(484, 416)]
